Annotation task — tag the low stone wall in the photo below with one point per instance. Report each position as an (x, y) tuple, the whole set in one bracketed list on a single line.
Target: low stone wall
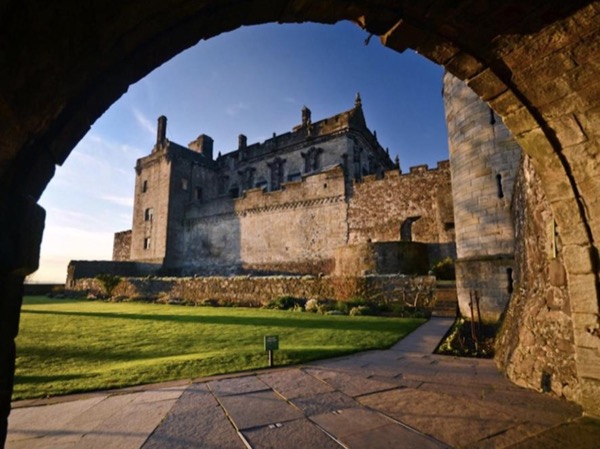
[(82, 269), (259, 290)]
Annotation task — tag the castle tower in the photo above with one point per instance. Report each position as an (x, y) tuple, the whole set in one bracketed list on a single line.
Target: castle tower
[(151, 201), (484, 159)]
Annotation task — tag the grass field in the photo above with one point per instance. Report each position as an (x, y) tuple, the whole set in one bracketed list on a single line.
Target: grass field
[(67, 346)]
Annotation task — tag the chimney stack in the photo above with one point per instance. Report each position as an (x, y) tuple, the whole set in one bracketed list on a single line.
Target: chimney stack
[(161, 131), (204, 145)]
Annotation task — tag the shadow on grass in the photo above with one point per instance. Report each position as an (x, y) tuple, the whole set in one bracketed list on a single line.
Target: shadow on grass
[(22, 379), (318, 322)]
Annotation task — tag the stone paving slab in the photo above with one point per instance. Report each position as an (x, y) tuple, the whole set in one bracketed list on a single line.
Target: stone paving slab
[(237, 385), (258, 409), (361, 428), (295, 383), (453, 420), (195, 421), (582, 433), (350, 384), (121, 421), (324, 403), (36, 422), (297, 434)]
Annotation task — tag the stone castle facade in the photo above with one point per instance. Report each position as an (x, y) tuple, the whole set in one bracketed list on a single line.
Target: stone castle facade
[(300, 202)]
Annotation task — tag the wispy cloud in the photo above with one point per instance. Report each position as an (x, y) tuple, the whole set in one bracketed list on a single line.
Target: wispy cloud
[(120, 200), (237, 108), (291, 100), (144, 122)]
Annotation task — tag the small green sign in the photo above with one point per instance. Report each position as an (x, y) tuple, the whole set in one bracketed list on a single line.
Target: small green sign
[(271, 342)]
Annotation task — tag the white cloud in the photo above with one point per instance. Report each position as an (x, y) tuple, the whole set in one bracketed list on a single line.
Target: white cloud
[(237, 108), (144, 122), (120, 200)]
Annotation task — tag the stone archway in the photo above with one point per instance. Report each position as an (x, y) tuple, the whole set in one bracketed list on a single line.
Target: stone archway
[(63, 66)]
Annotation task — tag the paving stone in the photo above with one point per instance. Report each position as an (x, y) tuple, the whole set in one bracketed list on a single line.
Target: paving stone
[(297, 434), (129, 427), (294, 383), (352, 385), (533, 407), (237, 385), (258, 409), (196, 420), (453, 420), (324, 403), (361, 428), (511, 436), (34, 422), (582, 433)]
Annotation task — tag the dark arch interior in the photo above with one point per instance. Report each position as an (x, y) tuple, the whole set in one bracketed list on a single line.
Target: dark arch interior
[(533, 62)]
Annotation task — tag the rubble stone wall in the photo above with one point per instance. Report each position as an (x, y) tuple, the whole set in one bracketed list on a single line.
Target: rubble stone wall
[(259, 290), (536, 345)]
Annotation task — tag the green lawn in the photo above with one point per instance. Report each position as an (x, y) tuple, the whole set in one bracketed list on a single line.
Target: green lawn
[(67, 346)]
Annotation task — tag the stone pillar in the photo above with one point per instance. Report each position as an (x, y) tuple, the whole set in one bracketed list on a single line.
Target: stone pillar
[(21, 228)]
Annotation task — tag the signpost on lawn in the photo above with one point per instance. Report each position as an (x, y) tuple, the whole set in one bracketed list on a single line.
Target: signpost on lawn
[(271, 344)]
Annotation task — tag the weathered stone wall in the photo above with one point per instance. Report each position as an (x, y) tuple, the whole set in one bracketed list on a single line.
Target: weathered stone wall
[(381, 258), (379, 207), (294, 229), (259, 290), (484, 159), (122, 246), (535, 346)]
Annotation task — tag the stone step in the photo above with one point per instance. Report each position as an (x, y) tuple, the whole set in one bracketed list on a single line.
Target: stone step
[(446, 301)]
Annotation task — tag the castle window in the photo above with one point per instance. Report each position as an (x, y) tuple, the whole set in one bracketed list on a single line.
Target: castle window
[(198, 194), (312, 160), (234, 192), (276, 173), (184, 183), (147, 243), (144, 186), (148, 214), (499, 186)]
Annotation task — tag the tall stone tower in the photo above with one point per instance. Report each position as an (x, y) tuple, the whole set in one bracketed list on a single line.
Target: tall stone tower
[(167, 181), (484, 159)]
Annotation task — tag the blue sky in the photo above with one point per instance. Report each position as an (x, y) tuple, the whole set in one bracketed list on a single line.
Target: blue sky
[(252, 81)]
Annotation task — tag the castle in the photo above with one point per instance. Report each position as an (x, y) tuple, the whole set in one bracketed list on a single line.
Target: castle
[(299, 202), (326, 198)]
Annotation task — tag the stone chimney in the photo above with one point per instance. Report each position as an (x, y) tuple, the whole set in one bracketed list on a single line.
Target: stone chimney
[(242, 142), (204, 145), (306, 121), (161, 131)]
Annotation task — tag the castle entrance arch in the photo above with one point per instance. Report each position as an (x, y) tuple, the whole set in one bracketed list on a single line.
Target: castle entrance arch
[(534, 62)]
